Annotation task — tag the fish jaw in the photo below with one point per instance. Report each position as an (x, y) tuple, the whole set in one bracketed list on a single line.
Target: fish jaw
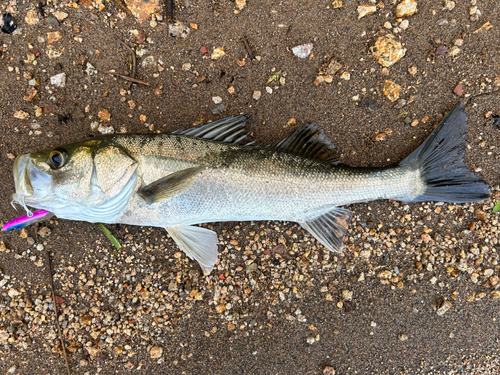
[(24, 188), (21, 176)]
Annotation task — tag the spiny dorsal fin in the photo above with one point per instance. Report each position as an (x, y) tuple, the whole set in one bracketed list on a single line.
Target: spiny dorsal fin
[(309, 141), (229, 130), (330, 228), (169, 185)]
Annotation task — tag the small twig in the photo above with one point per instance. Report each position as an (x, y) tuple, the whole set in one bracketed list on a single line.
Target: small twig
[(247, 47), (169, 11), (126, 78), (133, 71), (121, 5), (134, 58), (49, 266)]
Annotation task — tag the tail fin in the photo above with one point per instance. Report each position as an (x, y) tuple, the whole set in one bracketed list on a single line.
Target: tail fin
[(441, 162)]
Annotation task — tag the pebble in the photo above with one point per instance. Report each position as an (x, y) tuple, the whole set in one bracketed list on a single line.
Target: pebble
[(178, 30), (454, 51), (13, 293), (53, 36), (218, 109), (217, 53), (366, 9), (458, 90), (346, 76), (186, 66), (388, 50), (347, 295), (52, 21), (87, 320), (93, 351), (404, 24), (203, 50), (391, 90), (59, 80), (23, 233), (44, 232), (333, 67), (403, 337), (328, 370), (240, 4), (31, 95), (303, 51), (103, 129), (256, 95), (217, 99), (156, 352), (406, 8), (336, 4), (441, 50), (445, 306), (31, 17), (104, 115), (60, 16), (148, 62), (90, 70), (449, 5)]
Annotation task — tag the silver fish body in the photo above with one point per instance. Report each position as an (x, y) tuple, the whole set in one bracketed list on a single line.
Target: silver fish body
[(210, 173), (242, 183)]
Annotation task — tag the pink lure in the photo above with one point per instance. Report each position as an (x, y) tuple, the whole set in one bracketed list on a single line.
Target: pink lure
[(26, 220)]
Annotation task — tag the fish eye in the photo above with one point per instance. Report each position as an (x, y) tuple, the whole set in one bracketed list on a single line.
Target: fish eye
[(57, 158)]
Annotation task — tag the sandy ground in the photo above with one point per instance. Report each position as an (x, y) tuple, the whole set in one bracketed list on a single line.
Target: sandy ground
[(416, 290)]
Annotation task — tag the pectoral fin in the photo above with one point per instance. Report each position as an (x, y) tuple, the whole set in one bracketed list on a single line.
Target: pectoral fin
[(198, 243), (330, 228), (169, 186)]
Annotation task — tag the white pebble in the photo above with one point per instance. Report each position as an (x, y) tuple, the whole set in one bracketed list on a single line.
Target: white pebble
[(302, 51), (404, 24), (346, 76), (217, 99), (58, 80)]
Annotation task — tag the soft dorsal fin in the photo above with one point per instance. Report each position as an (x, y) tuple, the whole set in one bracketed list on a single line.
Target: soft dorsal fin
[(309, 141), (329, 228), (229, 130)]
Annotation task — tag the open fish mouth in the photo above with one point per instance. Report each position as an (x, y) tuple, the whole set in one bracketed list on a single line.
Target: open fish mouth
[(22, 182)]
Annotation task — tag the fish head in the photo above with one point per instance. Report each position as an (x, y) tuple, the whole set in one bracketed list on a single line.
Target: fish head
[(88, 181)]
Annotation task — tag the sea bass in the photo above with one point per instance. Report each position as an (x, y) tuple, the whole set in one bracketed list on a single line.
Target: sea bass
[(211, 173)]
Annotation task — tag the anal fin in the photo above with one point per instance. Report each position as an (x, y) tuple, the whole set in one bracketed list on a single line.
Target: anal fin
[(198, 243), (330, 228)]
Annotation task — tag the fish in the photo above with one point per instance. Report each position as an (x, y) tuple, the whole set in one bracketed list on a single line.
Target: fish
[(214, 173)]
